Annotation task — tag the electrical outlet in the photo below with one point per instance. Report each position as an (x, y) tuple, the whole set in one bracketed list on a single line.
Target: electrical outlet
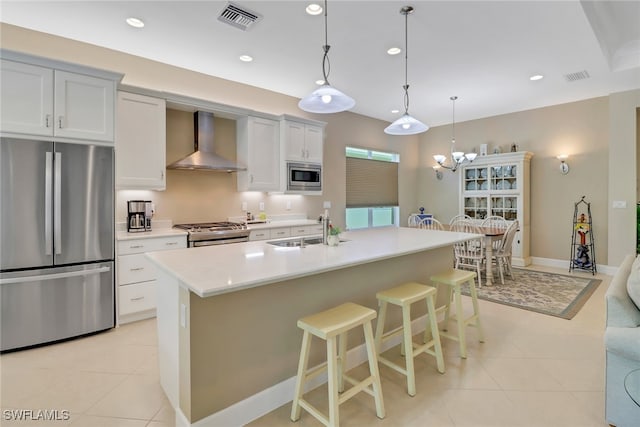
[(326, 204), (244, 206), (288, 205), (619, 204), (262, 206)]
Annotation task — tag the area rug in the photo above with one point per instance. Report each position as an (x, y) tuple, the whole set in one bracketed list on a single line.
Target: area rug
[(557, 295)]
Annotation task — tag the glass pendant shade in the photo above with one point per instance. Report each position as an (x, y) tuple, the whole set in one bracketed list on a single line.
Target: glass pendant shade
[(406, 125), (326, 99)]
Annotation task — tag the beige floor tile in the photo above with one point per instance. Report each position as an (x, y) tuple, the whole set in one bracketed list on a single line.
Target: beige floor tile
[(576, 374), (75, 391), (160, 424), (93, 421), (479, 408), (553, 409), (138, 396), (521, 374), (166, 412)]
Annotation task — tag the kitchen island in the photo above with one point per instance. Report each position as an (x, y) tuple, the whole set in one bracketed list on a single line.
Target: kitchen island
[(227, 334)]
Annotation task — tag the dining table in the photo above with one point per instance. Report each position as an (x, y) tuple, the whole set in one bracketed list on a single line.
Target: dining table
[(489, 236)]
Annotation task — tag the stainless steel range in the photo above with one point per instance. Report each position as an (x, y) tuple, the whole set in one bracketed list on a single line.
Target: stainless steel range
[(214, 233)]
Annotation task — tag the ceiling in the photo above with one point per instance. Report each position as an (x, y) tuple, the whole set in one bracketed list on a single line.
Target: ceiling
[(482, 51)]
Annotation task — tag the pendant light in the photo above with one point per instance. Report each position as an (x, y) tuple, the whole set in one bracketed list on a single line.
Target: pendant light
[(326, 99), (406, 125), (457, 157)]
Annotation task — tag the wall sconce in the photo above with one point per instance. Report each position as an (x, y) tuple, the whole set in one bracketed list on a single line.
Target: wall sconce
[(438, 172), (564, 167)]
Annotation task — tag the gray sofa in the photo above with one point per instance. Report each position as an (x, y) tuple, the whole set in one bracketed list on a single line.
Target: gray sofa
[(622, 342)]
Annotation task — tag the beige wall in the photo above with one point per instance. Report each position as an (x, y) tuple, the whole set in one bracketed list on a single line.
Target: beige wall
[(599, 134), (579, 129)]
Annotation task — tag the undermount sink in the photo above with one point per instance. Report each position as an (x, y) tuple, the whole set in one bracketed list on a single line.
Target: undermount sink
[(296, 242)]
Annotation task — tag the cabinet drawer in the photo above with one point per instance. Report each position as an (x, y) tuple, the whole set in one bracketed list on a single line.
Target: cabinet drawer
[(137, 246), (306, 230), (135, 268), (259, 234), (138, 297), (278, 233)]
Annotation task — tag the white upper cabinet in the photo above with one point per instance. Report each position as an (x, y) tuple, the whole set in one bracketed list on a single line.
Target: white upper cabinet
[(44, 101), (258, 148), (83, 107), (140, 142), (302, 142), (27, 98)]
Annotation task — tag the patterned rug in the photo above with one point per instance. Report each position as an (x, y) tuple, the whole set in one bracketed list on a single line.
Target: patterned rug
[(557, 295)]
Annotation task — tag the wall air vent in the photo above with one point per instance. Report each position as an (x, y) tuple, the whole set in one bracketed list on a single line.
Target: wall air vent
[(579, 75), (239, 17)]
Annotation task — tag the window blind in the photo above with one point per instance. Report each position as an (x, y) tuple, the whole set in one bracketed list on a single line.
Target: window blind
[(371, 183)]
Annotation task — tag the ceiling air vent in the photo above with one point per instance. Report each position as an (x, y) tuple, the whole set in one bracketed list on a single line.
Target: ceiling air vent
[(239, 17), (579, 75)]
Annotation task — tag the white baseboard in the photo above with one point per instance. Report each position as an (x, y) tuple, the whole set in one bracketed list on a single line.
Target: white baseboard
[(561, 263)]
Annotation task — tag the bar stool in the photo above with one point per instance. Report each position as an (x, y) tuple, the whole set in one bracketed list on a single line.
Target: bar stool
[(328, 325), (454, 278), (403, 296)]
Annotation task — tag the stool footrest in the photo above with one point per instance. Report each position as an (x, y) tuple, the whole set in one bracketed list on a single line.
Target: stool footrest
[(313, 411), (358, 386), (392, 365)]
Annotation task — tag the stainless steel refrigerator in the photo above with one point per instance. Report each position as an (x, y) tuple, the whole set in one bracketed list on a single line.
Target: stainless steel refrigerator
[(56, 241)]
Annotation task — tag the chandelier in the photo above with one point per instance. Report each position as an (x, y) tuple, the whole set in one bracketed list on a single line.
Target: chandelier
[(326, 99), (406, 125), (457, 157)]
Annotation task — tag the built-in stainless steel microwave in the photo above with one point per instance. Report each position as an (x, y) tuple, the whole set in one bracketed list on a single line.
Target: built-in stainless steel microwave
[(304, 176)]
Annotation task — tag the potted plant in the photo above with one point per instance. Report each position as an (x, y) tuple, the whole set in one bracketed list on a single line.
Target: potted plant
[(333, 239)]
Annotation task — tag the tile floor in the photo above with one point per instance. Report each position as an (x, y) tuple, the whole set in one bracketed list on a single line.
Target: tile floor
[(533, 370)]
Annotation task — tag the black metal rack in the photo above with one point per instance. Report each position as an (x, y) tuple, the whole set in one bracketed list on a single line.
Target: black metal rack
[(583, 255)]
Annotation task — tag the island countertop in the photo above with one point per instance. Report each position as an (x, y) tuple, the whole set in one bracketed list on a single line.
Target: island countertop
[(214, 270)]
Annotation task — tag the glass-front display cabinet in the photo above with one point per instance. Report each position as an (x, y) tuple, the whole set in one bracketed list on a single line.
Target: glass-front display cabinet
[(498, 185)]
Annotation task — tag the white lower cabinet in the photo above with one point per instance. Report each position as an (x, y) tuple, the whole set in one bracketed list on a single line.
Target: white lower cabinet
[(283, 232), (136, 275)]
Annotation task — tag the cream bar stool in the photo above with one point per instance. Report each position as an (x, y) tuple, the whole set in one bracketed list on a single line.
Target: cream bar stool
[(403, 296), (328, 325), (453, 279)]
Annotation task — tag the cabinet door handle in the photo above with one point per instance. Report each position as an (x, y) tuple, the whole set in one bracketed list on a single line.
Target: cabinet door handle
[(60, 118), (137, 299), (161, 174), (136, 246), (251, 176), (47, 118), (136, 269), (171, 243)]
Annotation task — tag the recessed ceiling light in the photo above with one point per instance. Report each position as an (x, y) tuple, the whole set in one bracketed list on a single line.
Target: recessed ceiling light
[(394, 51), (320, 82), (246, 58), (314, 9), (135, 22), (536, 77), (395, 111)]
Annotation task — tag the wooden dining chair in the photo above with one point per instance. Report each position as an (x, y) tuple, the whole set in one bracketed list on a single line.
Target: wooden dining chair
[(413, 220), (495, 221), (430, 224), (502, 256), (471, 253), (460, 217)]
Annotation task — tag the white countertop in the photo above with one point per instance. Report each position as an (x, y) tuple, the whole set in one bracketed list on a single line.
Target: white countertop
[(213, 270), (161, 232)]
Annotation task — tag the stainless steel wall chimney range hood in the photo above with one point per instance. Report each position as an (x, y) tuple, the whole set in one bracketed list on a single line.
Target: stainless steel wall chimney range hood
[(204, 157)]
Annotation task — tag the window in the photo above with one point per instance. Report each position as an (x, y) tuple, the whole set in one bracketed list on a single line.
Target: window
[(372, 188)]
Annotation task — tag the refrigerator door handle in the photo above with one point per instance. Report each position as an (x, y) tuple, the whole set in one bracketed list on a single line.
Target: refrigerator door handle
[(48, 217), (57, 204), (54, 276)]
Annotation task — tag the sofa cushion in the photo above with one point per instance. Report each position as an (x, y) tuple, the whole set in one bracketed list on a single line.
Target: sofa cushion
[(633, 283)]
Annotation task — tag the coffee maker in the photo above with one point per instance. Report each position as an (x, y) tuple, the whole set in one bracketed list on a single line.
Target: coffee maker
[(139, 213)]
